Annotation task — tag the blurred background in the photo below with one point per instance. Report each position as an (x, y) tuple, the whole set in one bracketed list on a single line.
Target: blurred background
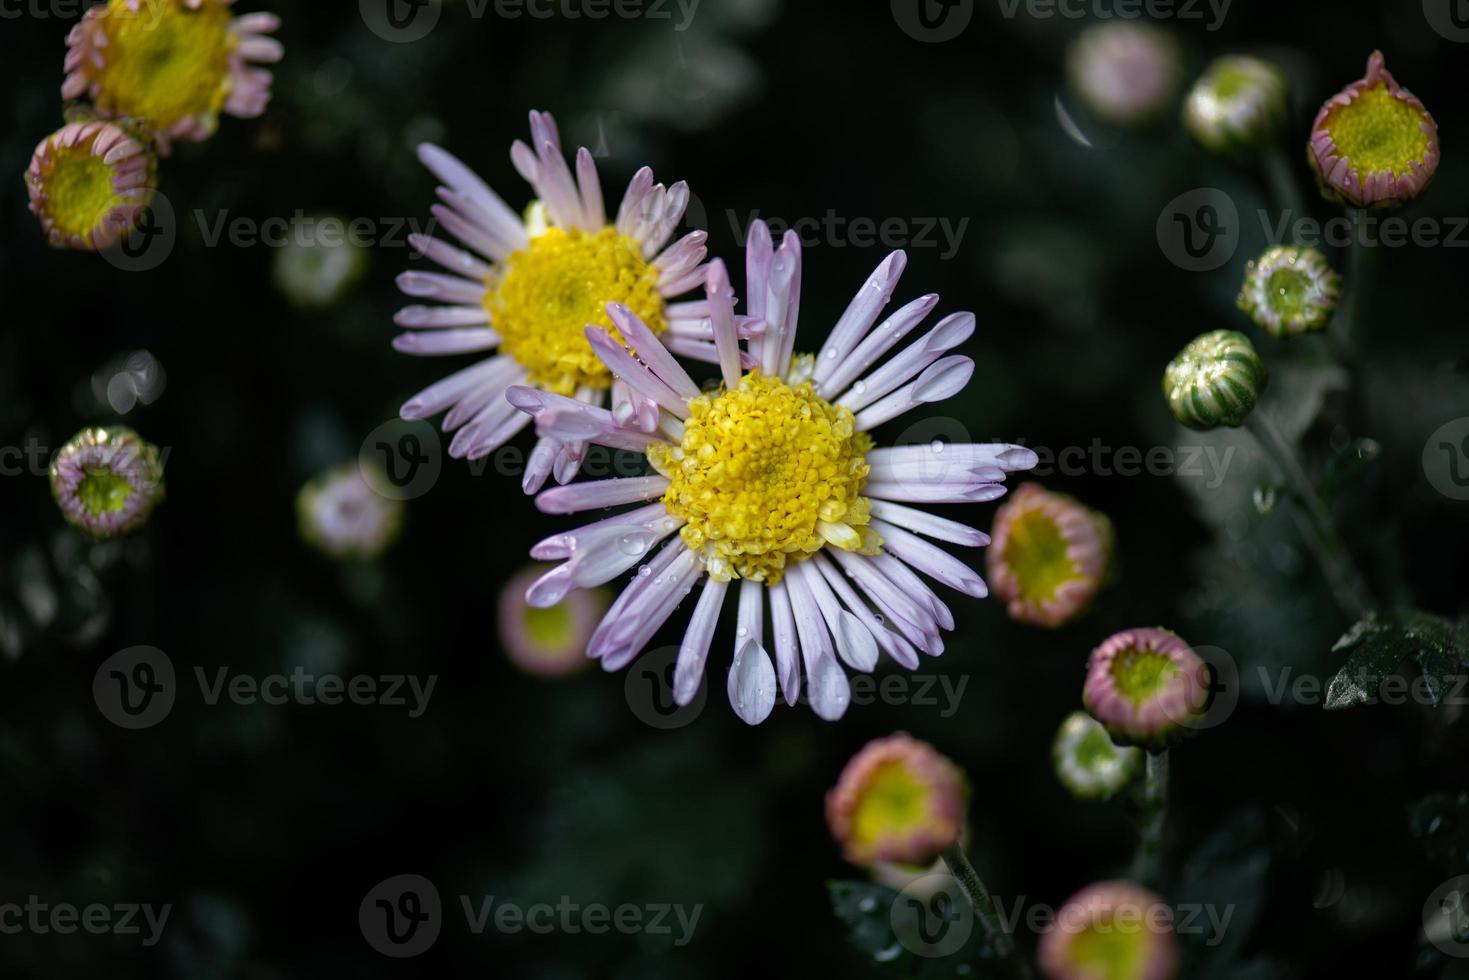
[(265, 827)]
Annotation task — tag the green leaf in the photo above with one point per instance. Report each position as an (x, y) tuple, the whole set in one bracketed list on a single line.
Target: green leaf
[(1383, 644)]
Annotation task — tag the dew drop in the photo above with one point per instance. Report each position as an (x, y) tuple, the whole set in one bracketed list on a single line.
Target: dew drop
[(644, 571), (742, 632), (867, 904), (635, 543), (937, 446)]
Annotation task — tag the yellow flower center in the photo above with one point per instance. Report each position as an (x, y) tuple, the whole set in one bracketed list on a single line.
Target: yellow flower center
[(1037, 554), (1378, 132), (78, 188), (165, 62), (894, 803), (1111, 950), (542, 299), (766, 474)]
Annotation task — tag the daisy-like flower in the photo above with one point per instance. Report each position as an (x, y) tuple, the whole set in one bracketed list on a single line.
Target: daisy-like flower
[(1128, 74), (1373, 144), (1050, 556), (549, 642), (1146, 686), (172, 65), (1238, 103), (773, 481), (1113, 930), (107, 480), (1289, 290), (529, 287), (1087, 761), (1215, 380), (898, 801), (342, 516), (90, 183)]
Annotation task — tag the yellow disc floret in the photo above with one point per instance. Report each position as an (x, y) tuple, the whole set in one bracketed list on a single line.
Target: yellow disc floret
[(164, 62), (766, 474), (79, 190), (1378, 132), (542, 299)]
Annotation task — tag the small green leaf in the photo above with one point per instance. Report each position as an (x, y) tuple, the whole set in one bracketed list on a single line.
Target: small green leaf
[(1383, 644)]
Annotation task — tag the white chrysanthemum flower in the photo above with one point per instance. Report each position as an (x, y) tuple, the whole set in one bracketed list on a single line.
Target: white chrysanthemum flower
[(772, 481), (529, 286)]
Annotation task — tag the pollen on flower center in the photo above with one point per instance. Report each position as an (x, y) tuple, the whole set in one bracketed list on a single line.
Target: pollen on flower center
[(1378, 132), (103, 491), (766, 474), (542, 299), (79, 190), (1141, 674), (165, 62)]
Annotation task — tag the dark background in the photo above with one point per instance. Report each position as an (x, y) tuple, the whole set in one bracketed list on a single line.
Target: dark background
[(266, 826)]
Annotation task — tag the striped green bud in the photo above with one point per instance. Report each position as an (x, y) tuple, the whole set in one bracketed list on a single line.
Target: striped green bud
[(1215, 380)]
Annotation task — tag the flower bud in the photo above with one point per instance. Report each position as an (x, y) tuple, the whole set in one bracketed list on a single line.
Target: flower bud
[(1087, 761), (1373, 144), (551, 641), (319, 262), (107, 481), (1289, 290), (90, 183), (1049, 556), (898, 801), (1114, 930), (1215, 380), (1128, 74), (1239, 103), (1147, 687), (343, 517)]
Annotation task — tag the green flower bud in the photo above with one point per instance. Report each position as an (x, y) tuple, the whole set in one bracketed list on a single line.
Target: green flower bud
[(1239, 103), (1215, 380), (1088, 763), (1289, 290)]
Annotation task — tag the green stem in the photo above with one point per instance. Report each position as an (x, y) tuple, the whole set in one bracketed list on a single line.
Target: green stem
[(1152, 816), (1347, 584), (1283, 186), (984, 910)]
